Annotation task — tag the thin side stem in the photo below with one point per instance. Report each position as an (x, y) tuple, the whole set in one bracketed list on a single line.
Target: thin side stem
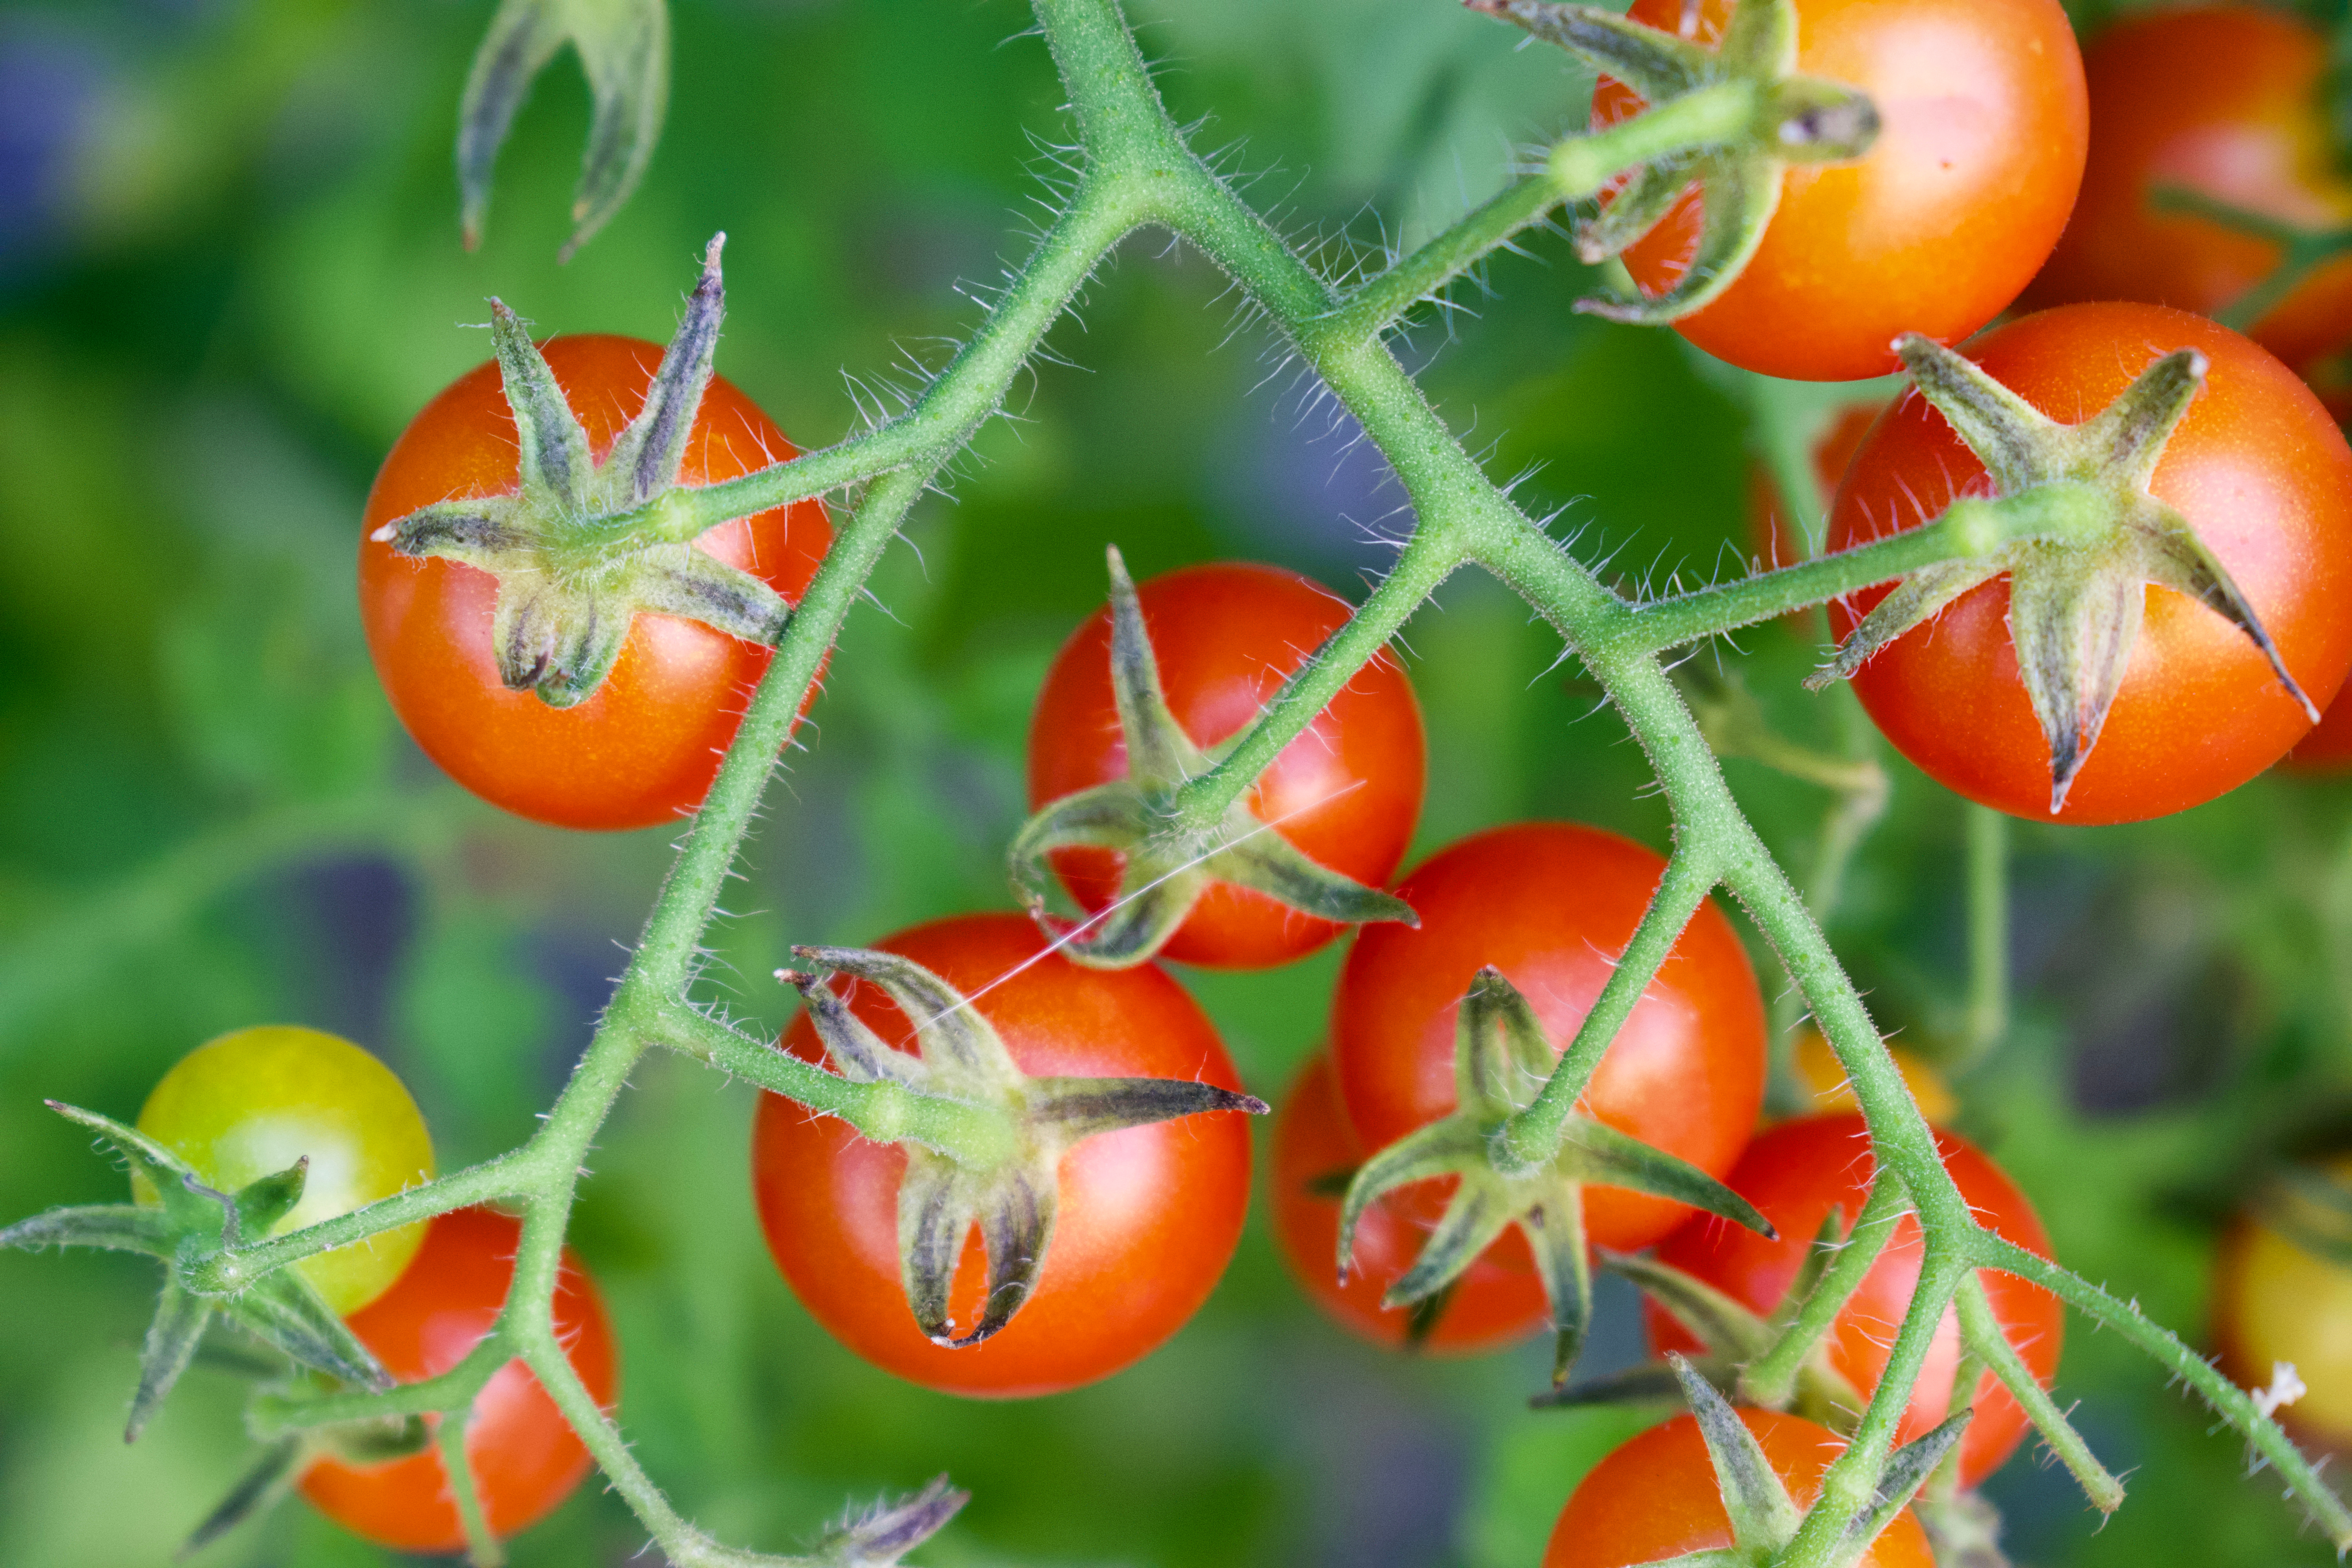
[(1980, 1332), (1770, 1380), (509, 1176), (482, 1548), (275, 1414)]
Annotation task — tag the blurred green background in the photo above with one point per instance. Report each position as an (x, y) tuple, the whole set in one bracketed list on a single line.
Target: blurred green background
[(229, 273)]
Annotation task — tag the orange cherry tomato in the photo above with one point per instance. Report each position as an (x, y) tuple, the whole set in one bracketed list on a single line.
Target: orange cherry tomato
[(2276, 1298), (2224, 101), (1148, 1216), (1934, 229), (1827, 1089), (1346, 792), (1498, 1300), (525, 1456), (644, 748), (1551, 904), (2258, 470), (1795, 1172), (1655, 1497)]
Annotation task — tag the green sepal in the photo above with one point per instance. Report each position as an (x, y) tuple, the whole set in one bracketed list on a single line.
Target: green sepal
[(1647, 1383), (879, 1536), (1731, 1332), (1787, 118), (1501, 1061), (1011, 1193), (2076, 601), (624, 47), (180, 1319), (1907, 1469), (375, 1442), (265, 1200), (1764, 1517), (283, 1312), (256, 1492), (1167, 870), (571, 583)]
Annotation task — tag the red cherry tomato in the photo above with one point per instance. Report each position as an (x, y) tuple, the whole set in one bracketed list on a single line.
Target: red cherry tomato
[(1149, 1216), (1936, 228), (1552, 904), (525, 1456), (1498, 1300), (2224, 101), (645, 748), (1655, 1497), (2257, 468), (1794, 1172), (1346, 792)]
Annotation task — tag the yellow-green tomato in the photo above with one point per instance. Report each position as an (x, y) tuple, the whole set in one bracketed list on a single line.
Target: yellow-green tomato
[(251, 1103), (2282, 1293)]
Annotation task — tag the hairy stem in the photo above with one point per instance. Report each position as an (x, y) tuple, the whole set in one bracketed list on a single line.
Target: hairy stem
[(1981, 1334), (1770, 1380)]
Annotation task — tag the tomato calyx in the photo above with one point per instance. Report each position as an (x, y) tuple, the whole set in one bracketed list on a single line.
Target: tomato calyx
[(2078, 593), (572, 575), (1736, 1336), (1502, 1057), (1005, 1180), (1168, 863), (1731, 119), (192, 1227)]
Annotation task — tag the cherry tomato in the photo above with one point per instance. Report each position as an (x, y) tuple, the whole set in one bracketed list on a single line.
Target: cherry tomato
[(1794, 1172), (1498, 1300), (646, 746), (1827, 1088), (1346, 792), (1775, 542), (2277, 1299), (1936, 228), (1552, 904), (525, 1456), (2257, 468), (1655, 1497), (1148, 1216), (2224, 101), (250, 1103)]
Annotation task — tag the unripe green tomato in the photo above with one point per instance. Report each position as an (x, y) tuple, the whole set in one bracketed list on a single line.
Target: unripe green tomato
[(251, 1103)]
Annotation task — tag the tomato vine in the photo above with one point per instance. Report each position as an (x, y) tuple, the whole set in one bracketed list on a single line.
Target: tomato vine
[(1136, 170)]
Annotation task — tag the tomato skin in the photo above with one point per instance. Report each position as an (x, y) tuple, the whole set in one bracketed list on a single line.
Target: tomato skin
[(526, 1458), (2274, 1300), (2225, 101), (1654, 1497), (1794, 1172), (1551, 904), (1933, 230), (1148, 1218), (252, 1102), (1498, 1300), (1346, 792), (644, 748), (2327, 747), (2258, 470)]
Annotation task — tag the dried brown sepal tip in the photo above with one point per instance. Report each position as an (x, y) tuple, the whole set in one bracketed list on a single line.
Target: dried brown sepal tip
[(1501, 1059), (572, 582), (1767, 117), (2076, 601), (878, 1537), (1165, 868), (624, 49), (1005, 1184), (192, 1225)]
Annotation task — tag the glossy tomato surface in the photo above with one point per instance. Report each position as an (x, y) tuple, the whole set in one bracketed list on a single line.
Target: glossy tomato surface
[(1498, 1300), (1148, 1216), (2224, 101), (1346, 792), (645, 748), (1934, 229), (1654, 1497), (2278, 1297), (2256, 466), (1795, 1172), (525, 1458), (251, 1103), (1552, 904)]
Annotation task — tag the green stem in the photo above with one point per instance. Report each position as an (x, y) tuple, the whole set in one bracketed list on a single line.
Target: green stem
[(1770, 1380), (509, 1176), (1988, 919), (1384, 300), (482, 1548), (274, 1415), (1980, 1332), (2161, 1345)]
